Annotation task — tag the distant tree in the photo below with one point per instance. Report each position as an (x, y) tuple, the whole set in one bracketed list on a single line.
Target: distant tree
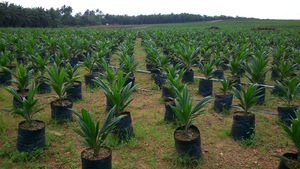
[(12, 15)]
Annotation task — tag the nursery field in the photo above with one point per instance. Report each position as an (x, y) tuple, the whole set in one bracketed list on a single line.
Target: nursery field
[(233, 47)]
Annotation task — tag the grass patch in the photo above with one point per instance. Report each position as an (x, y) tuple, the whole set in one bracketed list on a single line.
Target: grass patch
[(250, 142)]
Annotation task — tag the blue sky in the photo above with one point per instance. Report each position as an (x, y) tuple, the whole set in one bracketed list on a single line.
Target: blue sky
[(263, 9)]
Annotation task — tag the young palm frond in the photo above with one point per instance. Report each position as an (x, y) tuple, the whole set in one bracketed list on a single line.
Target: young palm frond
[(257, 69), (90, 131), (22, 76), (184, 109), (288, 90), (247, 97), (58, 82), (116, 93), (29, 104)]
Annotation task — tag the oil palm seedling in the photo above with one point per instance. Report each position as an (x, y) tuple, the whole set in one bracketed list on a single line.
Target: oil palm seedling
[(127, 46), (279, 55), (64, 52), (223, 99), (288, 91), (89, 65), (205, 86), (22, 77), (187, 55), (173, 80), (31, 133), (109, 73), (162, 61), (59, 107), (187, 136), (58, 61), (257, 68), (82, 45), (256, 72), (128, 65), (39, 64), (156, 61), (103, 50), (285, 70), (6, 59), (152, 54), (243, 126), (292, 131), (117, 94), (19, 48), (72, 78), (206, 54), (74, 51), (97, 155), (219, 64), (236, 70), (237, 63)]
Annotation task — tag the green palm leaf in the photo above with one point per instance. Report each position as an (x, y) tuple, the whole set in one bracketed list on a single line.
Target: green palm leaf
[(184, 109)]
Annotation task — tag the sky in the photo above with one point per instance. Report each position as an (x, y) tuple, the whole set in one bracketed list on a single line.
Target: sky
[(263, 9)]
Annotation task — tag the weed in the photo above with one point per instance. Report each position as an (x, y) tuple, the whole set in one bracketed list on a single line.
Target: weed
[(186, 162), (153, 159), (250, 142), (93, 88), (161, 122), (6, 149), (113, 141), (213, 126), (71, 146), (225, 111), (6, 164), (26, 157), (9, 150), (154, 86), (3, 97), (224, 132), (52, 136), (3, 124)]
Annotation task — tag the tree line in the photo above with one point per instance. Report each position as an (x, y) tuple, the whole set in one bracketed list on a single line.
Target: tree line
[(12, 15)]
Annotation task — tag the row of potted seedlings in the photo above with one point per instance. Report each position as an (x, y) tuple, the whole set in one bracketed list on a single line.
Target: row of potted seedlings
[(63, 79), (255, 70), (183, 108), (31, 133)]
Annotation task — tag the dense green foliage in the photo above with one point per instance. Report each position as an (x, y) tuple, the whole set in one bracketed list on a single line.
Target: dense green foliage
[(13, 15)]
